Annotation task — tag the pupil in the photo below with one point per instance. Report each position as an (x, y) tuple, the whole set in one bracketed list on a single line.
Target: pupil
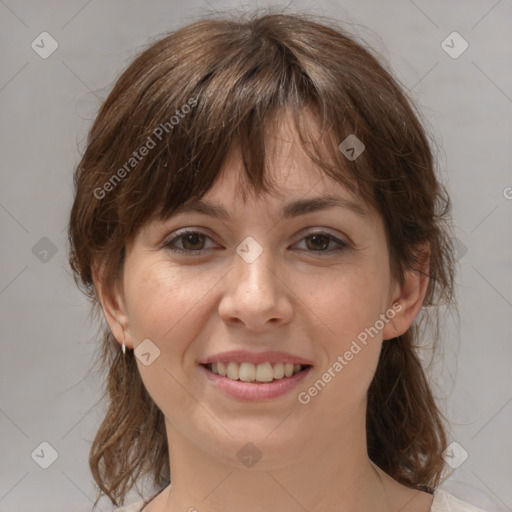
[(317, 237), (193, 237)]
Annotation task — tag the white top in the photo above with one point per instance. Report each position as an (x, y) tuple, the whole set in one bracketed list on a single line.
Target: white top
[(442, 502)]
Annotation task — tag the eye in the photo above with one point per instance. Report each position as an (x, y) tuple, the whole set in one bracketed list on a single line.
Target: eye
[(193, 242), (319, 242)]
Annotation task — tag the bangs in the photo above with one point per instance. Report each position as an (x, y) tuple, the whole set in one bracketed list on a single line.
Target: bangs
[(239, 94)]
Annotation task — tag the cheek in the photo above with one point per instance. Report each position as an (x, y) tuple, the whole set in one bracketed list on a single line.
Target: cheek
[(161, 299), (349, 305), (162, 305), (347, 301)]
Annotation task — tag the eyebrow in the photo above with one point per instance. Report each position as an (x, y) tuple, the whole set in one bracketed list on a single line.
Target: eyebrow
[(293, 209)]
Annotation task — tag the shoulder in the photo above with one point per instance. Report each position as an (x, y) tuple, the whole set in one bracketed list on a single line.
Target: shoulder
[(446, 502), (134, 507), (138, 506), (442, 502)]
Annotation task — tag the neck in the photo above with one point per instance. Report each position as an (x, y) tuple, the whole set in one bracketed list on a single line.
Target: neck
[(319, 477)]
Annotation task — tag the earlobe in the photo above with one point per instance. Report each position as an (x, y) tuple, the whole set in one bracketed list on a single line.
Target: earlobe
[(410, 297), (114, 309)]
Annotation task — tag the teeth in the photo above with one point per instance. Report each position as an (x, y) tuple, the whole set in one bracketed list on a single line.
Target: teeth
[(221, 369), (264, 372), (249, 372), (278, 371), (246, 372), (232, 371)]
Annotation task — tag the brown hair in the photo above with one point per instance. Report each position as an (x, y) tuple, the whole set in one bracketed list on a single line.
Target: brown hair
[(189, 98)]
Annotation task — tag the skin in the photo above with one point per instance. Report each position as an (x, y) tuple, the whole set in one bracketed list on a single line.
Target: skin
[(295, 297)]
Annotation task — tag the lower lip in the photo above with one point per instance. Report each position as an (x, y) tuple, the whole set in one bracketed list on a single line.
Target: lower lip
[(253, 391)]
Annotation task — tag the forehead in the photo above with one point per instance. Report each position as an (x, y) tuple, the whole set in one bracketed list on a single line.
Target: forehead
[(289, 168), (299, 189)]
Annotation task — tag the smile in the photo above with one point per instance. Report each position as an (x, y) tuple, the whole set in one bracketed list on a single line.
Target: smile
[(254, 382), (249, 372)]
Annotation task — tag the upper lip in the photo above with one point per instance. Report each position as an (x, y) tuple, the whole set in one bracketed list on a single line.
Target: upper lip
[(243, 356)]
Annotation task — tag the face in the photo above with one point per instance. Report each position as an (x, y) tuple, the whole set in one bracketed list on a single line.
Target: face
[(311, 288)]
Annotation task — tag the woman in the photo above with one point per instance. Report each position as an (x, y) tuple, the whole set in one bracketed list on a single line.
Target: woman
[(258, 218)]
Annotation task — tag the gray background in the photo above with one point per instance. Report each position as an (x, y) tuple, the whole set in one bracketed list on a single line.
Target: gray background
[(47, 105)]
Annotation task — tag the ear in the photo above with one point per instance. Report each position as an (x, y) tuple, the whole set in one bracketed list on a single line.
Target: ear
[(113, 306), (408, 298)]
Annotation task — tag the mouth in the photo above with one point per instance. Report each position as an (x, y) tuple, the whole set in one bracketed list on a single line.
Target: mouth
[(262, 373), (251, 382)]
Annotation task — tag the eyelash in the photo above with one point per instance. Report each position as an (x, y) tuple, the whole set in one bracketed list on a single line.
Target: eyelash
[(341, 245)]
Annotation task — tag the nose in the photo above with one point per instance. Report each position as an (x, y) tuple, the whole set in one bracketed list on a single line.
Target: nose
[(257, 294)]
